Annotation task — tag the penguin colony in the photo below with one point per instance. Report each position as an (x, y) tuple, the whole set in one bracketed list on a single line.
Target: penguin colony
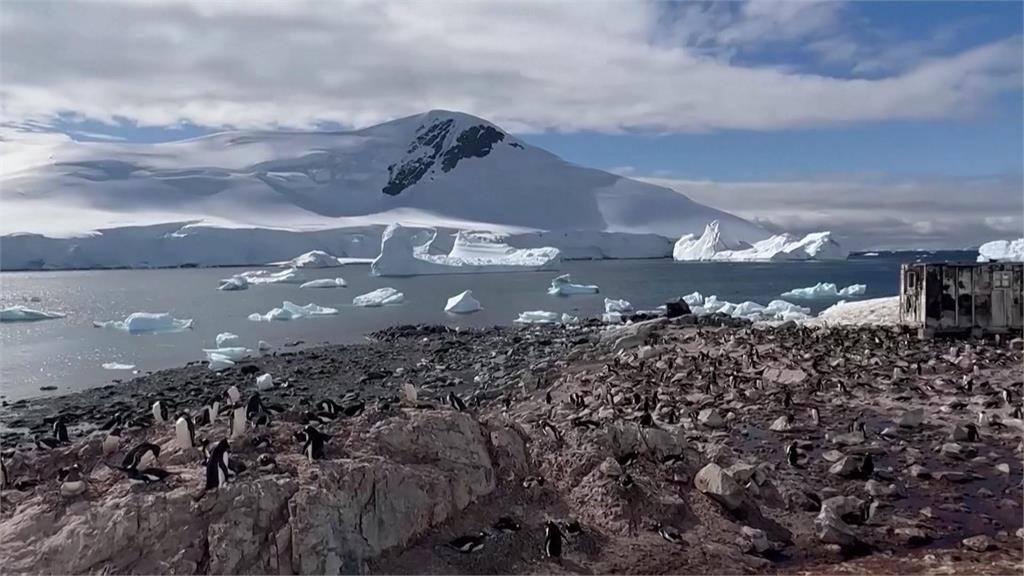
[(697, 383)]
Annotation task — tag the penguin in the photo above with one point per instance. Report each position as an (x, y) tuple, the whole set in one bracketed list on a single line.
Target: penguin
[(573, 528), (468, 544), (357, 408), (4, 475), (147, 476), (673, 459), (72, 483), (552, 430), (254, 406), (185, 432), (506, 524), (1007, 396), (135, 456), (585, 423), (112, 441), (261, 419), (115, 421), (552, 541), (159, 412), (547, 397), (329, 408), (1017, 413), (646, 420), (217, 466), (234, 396), (815, 416), (313, 446), (867, 466), (670, 534), (60, 431), (236, 426), (533, 481), (626, 481), (266, 462), (45, 442), (455, 402), (626, 460), (792, 455), (972, 432), (787, 399), (576, 400)]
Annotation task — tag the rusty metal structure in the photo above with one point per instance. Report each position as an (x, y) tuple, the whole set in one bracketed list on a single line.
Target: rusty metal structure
[(974, 298)]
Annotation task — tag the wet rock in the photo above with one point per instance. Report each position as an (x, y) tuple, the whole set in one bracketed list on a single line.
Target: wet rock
[(831, 529), (848, 438), (711, 418), (714, 482), (918, 471), (741, 472), (913, 536), (832, 456), (980, 543), (847, 467), (754, 540), (911, 418), (957, 450), (781, 424), (1003, 468), (879, 490)]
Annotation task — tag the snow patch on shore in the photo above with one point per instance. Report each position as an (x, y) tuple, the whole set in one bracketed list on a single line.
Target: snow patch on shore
[(877, 311)]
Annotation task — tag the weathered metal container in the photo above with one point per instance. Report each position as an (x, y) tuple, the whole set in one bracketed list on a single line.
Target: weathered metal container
[(963, 297)]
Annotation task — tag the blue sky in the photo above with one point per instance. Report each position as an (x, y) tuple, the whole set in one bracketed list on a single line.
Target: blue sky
[(899, 95)]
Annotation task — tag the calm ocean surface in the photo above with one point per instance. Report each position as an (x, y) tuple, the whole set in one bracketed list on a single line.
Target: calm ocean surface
[(68, 353)]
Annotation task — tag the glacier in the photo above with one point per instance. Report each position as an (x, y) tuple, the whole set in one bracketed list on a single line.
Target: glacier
[(563, 286), (255, 197), (291, 311), (147, 323), (20, 313), (1002, 251), (400, 257), (379, 297), (462, 303), (826, 290), (325, 283), (716, 244)]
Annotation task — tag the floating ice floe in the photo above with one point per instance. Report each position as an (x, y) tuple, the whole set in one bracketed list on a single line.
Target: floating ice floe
[(264, 382), (216, 362), (471, 253), (379, 297), (1002, 251), (826, 290), (287, 276), (24, 314), (614, 310), (224, 337), (233, 353), (563, 286), (714, 245), (263, 346), (462, 303), (234, 283), (694, 299), (313, 259), (117, 366), (147, 323), (291, 311), (325, 283), (776, 310), (537, 317)]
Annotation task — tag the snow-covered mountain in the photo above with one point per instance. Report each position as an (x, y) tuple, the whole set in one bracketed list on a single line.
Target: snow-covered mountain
[(255, 197)]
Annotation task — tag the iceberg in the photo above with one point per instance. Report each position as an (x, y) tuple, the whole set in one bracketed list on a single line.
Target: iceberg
[(234, 283), (147, 323), (1002, 251), (776, 310), (537, 317), (291, 311), (24, 314), (325, 283), (287, 276), (216, 362), (694, 299), (713, 245), (379, 297), (826, 290), (264, 382), (233, 353), (225, 337), (462, 303), (469, 254), (614, 310), (313, 259), (563, 286), (117, 366)]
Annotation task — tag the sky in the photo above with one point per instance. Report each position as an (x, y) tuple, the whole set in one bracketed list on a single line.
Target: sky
[(895, 124)]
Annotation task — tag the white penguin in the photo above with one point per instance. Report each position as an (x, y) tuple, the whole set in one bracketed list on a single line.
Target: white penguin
[(234, 394), (72, 483), (184, 432), (238, 421), (159, 412), (112, 442)]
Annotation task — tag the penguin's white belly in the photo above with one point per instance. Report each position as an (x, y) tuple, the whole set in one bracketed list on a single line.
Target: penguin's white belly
[(72, 488), (110, 444)]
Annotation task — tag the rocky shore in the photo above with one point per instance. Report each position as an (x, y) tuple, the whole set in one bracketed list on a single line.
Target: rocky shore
[(657, 447)]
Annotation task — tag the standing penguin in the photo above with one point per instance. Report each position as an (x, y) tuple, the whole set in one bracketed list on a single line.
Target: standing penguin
[(3, 474), (159, 412), (455, 402), (72, 483), (237, 423), (60, 431), (815, 416), (552, 540), (137, 456), (234, 395), (217, 466), (185, 432), (314, 440), (112, 441)]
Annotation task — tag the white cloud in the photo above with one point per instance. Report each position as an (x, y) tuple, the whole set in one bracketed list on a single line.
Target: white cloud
[(874, 211), (567, 65)]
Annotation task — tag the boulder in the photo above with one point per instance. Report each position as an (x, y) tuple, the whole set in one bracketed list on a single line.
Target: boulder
[(980, 543), (677, 308), (754, 540), (711, 418), (714, 482), (781, 424), (912, 418), (846, 467)]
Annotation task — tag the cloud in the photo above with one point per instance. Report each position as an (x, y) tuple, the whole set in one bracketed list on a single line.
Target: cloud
[(569, 66), (874, 211)]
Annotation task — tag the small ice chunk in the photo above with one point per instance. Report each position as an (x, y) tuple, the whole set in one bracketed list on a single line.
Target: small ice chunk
[(291, 311), (313, 259), (563, 286), (234, 283), (325, 283), (569, 319), (218, 362), (117, 366), (694, 299), (620, 306), (1002, 251), (234, 353), (537, 317), (287, 276), (264, 382), (263, 346), (826, 290), (379, 297), (225, 337), (462, 303), (147, 323), (854, 290), (25, 314)]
